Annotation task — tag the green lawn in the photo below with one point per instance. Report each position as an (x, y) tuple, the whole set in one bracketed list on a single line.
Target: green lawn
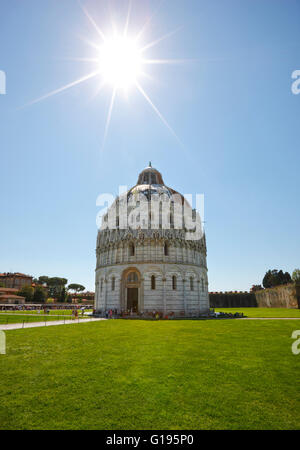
[(27, 318), (263, 312), (118, 374), (51, 312)]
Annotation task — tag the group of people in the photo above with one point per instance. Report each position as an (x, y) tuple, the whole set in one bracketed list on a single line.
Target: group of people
[(110, 313)]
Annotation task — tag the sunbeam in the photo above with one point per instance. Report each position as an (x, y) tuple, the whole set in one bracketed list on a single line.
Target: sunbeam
[(157, 112), (109, 115), (157, 41), (101, 34), (127, 18), (63, 88), (167, 61)]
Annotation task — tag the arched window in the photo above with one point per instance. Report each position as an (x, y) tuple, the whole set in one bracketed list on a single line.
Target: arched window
[(171, 220), (132, 277), (101, 285), (174, 282), (192, 283), (166, 249), (202, 284), (131, 249), (153, 179), (113, 283), (153, 282)]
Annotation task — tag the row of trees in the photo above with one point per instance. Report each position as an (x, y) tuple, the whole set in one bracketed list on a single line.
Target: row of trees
[(54, 287), (278, 277)]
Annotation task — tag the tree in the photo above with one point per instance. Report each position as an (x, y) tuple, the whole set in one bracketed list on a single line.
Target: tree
[(39, 295), (296, 276), (256, 287), (63, 295), (275, 278), (76, 287), (27, 292), (267, 280), (55, 286), (43, 280)]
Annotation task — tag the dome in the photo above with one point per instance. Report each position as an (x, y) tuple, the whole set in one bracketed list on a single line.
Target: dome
[(150, 176), (151, 184), (150, 203)]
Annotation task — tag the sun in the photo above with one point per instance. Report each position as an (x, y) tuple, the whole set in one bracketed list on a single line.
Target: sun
[(120, 62)]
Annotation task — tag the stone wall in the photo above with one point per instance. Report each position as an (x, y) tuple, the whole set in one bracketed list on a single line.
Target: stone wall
[(284, 296), (189, 298), (232, 299)]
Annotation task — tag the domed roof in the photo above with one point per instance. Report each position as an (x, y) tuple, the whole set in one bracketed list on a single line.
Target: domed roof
[(150, 175), (150, 183), (173, 208)]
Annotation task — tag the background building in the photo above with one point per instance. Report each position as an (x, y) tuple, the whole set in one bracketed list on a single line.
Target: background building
[(9, 296), (15, 280)]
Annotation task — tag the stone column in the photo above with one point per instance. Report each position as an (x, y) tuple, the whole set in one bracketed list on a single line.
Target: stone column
[(121, 303), (164, 295), (105, 294), (184, 299), (97, 296), (199, 296), (141, 289)]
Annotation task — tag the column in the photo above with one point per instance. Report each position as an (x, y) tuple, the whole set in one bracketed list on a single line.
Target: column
[(164, 295), (184, 299)]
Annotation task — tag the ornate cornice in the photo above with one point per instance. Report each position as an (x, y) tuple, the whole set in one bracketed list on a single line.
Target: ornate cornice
[(111, 239)]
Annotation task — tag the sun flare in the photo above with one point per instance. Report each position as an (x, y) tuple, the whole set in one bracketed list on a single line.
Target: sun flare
[(120, 62)]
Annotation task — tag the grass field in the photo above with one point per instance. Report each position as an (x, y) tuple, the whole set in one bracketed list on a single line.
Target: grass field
[(263, 312), (7, 317), (55, 312), (27, 318), (228, 374)]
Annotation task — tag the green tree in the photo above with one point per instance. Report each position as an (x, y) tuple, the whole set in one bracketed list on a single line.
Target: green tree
[(275, 278), (63, 295), (76, 287), (55, 286), (256, 287), (39, 295), (296, 276), (27, 292), (43, 280)]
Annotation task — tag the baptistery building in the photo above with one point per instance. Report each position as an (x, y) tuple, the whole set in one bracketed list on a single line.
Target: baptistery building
[(151, 253)]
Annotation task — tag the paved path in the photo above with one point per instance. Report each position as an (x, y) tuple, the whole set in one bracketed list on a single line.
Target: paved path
[(17, 326), (268, 318)]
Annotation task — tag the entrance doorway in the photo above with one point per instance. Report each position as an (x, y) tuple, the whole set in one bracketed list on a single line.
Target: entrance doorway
[(130, 296), (132, 299)]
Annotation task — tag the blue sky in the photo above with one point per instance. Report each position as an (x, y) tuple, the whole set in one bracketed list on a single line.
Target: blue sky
[(232, 108)]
